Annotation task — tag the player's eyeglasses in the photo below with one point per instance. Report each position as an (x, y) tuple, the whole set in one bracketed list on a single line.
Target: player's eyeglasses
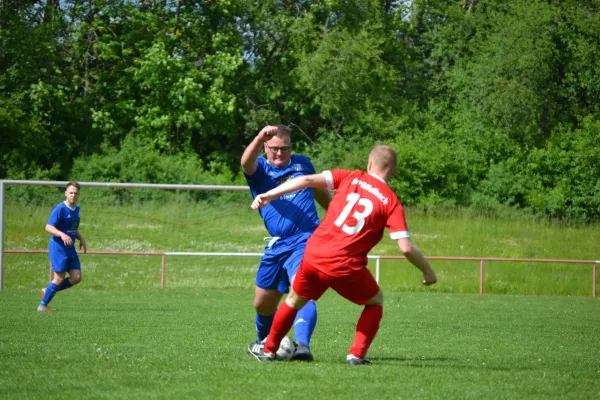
[(283, 149)]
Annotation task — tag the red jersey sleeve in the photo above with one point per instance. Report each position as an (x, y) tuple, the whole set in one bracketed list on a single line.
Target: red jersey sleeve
[(335, 177), (396, 222)]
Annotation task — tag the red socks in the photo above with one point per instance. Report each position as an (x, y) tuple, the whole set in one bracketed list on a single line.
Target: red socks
[(282, 323), (366, 329)]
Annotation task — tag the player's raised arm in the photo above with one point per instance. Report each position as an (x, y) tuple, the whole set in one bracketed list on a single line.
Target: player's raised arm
[(250, 156), (416, 258), (301, 182)]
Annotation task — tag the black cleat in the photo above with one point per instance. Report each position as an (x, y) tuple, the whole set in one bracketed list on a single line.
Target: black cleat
[(258, 351), (353, 360), (302, 353)]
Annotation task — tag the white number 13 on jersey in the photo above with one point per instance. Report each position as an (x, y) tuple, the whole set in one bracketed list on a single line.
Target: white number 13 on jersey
[(352, 199)]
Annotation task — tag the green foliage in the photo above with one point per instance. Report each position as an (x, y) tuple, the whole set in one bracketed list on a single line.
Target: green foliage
[(565, 174), (34, 195), (490, 103), (332, 152), (556, 180), (138, 161), (346, 75), (503, 92), (434, 170)]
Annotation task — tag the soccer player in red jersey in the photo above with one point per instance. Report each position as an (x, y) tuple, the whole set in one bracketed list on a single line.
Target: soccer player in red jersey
[(336, 253)]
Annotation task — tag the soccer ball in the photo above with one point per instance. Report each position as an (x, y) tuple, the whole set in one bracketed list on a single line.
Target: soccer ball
[(286, 349)]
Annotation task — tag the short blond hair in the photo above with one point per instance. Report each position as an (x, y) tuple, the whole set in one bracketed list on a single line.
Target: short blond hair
[(74, 184), (384, 157)]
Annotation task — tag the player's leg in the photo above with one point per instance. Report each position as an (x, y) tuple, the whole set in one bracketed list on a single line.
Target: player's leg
[(307, 285), (268, 291), (366, 330), (304, 324), (51, 290), (283, 321), (74, 274), (74, 269), (59, 262), (361, 288), (306, 319), (265, 305)]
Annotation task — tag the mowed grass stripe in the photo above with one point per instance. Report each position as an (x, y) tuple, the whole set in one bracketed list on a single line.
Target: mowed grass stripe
[(190, 343)]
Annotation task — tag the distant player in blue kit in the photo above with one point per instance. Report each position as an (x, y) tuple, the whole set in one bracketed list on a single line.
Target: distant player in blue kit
[(290, 220), (63, 225)]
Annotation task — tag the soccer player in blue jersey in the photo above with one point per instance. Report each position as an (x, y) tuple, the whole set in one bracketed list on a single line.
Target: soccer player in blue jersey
[(63, 225), (290, 220)]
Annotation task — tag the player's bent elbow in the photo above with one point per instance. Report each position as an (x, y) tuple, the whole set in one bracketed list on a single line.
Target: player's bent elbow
[(406, 246), (411, 253), (249, 170)]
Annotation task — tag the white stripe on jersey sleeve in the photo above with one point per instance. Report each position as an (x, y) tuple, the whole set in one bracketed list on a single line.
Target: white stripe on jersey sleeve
[(329, 178), (399, 235)]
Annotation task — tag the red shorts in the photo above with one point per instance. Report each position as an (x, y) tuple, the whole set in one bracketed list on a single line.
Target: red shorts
[(358, 286)]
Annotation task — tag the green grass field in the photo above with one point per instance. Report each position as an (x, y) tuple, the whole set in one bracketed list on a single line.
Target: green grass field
[(533, 335), (190, 343)]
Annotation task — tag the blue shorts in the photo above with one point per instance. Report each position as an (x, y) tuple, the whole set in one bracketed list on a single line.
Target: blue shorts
[(280, 262), (61, 259)]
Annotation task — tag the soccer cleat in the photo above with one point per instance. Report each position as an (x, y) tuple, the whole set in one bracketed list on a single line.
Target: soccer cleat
[(258, 351), (42, 308), (251, 345), (302, 353), (351, 359)]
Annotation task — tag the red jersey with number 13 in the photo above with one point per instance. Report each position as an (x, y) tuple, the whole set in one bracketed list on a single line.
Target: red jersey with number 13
[(362, 207)]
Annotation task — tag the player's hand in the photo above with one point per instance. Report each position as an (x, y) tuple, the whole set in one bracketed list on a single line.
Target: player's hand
[(429, 278), (83, 244), (267, 133), (66, 239), (260, 201)]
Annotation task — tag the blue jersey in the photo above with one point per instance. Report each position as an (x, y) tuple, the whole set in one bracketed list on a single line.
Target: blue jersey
[(65, 220), (292, 213)]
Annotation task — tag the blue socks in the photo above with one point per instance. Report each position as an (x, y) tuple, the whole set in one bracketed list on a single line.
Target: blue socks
[(51, 290), (305, 322), (263, 325), (65, 285)]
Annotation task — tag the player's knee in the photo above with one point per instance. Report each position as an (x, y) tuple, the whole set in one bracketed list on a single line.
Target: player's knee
[(295, 301), (264, 307), (75, 280), (266, 301), (377, 300), (58, 280)]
